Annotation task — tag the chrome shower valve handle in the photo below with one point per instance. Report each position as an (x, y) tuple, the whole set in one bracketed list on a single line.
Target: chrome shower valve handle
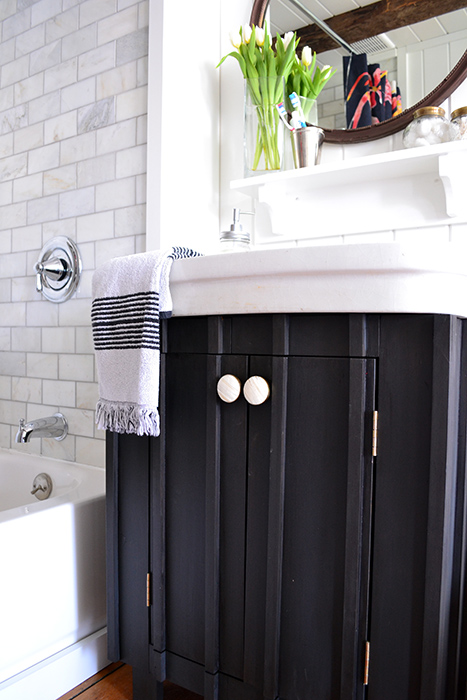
[(58, 269)]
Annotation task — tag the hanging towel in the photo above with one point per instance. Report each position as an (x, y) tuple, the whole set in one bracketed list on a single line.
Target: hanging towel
[(357, 91), (130, 295)]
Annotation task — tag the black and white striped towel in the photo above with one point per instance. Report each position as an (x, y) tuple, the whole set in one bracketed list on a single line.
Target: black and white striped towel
[(130, 295)]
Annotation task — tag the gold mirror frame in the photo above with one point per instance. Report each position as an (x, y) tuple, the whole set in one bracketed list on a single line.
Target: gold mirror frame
[(391, 126)]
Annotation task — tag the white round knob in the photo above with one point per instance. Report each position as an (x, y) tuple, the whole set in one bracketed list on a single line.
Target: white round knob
[(229, 388), (256, 390)]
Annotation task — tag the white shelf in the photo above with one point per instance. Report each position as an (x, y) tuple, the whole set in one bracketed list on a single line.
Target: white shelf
[(446, 163)]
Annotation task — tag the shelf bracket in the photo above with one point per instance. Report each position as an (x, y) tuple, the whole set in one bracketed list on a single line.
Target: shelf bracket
[(453, 174)]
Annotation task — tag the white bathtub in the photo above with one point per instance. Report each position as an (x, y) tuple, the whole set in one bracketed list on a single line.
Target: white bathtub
[(52, 582)]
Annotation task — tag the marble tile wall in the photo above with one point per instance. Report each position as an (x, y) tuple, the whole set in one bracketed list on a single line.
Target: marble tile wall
[(73, 106)]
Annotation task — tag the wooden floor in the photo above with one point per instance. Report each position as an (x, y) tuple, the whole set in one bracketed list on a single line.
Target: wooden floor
[(115, 683)]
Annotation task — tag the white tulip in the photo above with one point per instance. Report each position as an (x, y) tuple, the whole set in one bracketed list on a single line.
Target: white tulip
[(246, 33), (260, 36), (287, 38), (235, 39), (325, 70), (307, 56)]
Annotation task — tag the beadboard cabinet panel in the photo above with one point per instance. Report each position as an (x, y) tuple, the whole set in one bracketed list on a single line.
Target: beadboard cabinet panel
[(283, 541)]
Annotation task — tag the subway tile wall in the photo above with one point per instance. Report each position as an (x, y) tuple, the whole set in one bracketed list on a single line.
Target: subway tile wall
[(73, 109)]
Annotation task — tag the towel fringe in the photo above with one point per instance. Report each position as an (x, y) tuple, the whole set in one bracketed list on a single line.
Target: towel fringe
[(127, 418)]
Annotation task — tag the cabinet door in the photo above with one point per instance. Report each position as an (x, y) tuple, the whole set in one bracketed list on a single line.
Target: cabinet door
[(323, 512)]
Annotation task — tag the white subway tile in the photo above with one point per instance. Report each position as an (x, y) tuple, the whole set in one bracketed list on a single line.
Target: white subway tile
[(97, 115), (27, 238), (41, 313), (117, 25), (116, 80), (11, 411), (142, 71), (59, 449), (7, 51), (13, 363), (59, 227), (26, 339), (95, 227), (13, 215), (131, 161), (78, 148), (96, 61), (143, 14), (88, 257), (7, 96), (79, 41), (132, 46), (6, 193), (44, 158), (130, 220), (61, 127), (26, 389), (13, 265), (78, 95), (76, 312), (80, 422), (76, 203), (5, 387), (7, 9), (90, 451), (13, 167), (60, 179), (30, 41), (84, 290), (44, 209), (25, 188), (141, 184), (84, 342), (105, 250), (45, 57), (28, 138), (87, 395), (29, 88), (61, 75), (113, 138), (61, 393), (5, 241), (58, 340), (16, 24), (15, 71), (96, 170), (6, 145), (42, 365), (76, 367), (14, 118), (132, 104), (44, 10), (94, 10), (5, 296), (62, 24), (142, 129), (44, 107), (115, 194), (122, 4)]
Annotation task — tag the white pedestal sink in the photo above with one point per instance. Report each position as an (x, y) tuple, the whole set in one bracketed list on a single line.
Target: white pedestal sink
[(371, 278)]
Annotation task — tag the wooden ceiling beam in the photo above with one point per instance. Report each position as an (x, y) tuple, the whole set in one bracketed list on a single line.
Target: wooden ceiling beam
[(379, 17)]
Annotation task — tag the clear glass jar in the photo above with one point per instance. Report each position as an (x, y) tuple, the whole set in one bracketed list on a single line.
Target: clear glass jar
[(459, 119), (429, 126)]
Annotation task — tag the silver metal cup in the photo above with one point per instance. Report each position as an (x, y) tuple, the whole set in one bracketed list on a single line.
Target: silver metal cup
[(306, 146)]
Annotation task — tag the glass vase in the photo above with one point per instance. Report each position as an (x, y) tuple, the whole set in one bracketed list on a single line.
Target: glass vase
[(263, 128)]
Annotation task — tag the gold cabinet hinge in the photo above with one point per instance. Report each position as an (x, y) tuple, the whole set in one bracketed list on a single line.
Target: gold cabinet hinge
[(148, 590), (374, 442), (366, 668)]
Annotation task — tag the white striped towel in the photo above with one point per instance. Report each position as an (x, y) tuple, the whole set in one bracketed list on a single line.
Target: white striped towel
[(130, 295)]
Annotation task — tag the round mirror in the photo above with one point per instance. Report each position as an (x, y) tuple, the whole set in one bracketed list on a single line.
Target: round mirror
[(356, 18)]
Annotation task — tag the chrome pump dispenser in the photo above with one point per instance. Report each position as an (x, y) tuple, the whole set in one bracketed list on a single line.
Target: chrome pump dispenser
[(235, 240)]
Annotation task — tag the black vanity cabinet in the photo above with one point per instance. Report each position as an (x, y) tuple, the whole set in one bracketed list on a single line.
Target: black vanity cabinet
[(311, 546)]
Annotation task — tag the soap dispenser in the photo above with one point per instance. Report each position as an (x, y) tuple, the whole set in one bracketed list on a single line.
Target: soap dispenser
[(235, 240)]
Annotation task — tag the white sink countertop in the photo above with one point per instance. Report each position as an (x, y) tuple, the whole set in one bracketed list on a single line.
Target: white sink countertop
[(354, 278)]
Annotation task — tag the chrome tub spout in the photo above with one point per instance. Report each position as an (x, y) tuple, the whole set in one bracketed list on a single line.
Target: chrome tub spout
[(55, 426)]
